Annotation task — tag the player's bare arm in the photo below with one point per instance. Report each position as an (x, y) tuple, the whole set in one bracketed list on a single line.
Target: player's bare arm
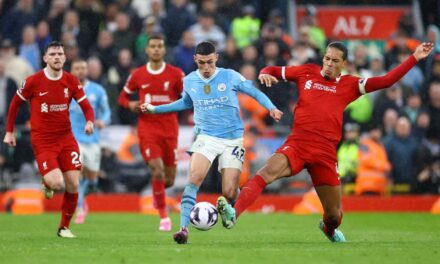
[(10, 139), (276, 114), (267, 79), (99, 124), (134, 106)]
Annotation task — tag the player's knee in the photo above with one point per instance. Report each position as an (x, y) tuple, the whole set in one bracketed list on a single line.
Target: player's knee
[(268, 175), (56, 185), (169, 182), (157, 173)]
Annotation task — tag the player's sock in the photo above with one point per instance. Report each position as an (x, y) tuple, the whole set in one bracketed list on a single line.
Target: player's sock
[(249, 193), (159, 197), (83, 185), (68, 208), (189, 198), (331, 224)]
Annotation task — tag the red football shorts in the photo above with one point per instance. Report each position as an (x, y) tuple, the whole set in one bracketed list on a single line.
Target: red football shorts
[(58, 152), (319, 160), (153, 147)]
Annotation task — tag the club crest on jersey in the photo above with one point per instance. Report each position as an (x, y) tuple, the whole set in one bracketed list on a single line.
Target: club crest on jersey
[(166, 85), (308, 85), (207, 88), (66, 92), (44, 108), (221, 87)]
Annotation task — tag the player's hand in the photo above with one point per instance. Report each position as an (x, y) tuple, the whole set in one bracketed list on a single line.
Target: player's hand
[(134, 106), (267, 79), (99, 124), (422, 51), (147, 108), (10, 139), (88, 129), (276, 114)]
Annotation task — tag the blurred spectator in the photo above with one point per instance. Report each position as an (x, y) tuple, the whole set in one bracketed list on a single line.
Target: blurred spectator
[(421, 126), (432, 35), (317, 36), (90, 14), (29, 49), (413, 79), (400, 42), (8, 88), (109, 22), (178, 20), (104, 49), (24, 13), (226, 12), (142, 39), (348, 158), (272, 33), (249, 55), (184, 53), (206, 30), (245, 29), (230, 58), (117, 76), (302, 53), (271, 56), (95, 71), (388, 98), (157, 11), (43, 35), (123, 37), (434, 109), (16, 68), (413, 107), (55, 17), (374, 167), (427, 166), (109, 171), (135, 20), (389, 121), (71, 50), (401, 148), (360, 58)]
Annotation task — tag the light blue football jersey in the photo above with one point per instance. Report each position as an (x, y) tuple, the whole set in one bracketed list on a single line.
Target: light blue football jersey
[(215, 102), (97, 97)]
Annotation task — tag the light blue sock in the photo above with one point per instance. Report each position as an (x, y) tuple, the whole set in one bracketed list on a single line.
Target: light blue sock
[(189, 198), (93, 186), (82, 192)]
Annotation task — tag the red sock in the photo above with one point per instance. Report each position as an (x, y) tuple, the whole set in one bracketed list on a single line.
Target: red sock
[(68, 208), (159, 197), (331, 224), (249, 193)]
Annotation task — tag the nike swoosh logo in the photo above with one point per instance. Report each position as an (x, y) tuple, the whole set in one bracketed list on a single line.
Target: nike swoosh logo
[(143, 86), (42, 94)]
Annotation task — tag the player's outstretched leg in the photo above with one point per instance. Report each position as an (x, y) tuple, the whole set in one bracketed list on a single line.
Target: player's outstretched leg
[(189, 198), (227, 212), (337, 235)]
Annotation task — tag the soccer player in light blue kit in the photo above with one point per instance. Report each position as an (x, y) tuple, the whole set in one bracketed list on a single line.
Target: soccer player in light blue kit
[(212, 92), (88, 144)]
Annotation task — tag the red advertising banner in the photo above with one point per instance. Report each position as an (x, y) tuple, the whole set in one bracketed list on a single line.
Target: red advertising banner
[(374, 23)]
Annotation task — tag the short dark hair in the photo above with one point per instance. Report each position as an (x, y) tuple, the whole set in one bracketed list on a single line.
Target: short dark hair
[(205, 48), (340, 46), (156, 36), (53, 44)]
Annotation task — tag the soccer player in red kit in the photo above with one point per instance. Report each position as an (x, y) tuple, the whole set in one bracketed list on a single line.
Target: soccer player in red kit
[(50, 92), (157, 83), (316, 130)]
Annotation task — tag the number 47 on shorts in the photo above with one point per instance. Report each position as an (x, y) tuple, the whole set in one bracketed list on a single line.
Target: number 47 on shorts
[(238, 152)]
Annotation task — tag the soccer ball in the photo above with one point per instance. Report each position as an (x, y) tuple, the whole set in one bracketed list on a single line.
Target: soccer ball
[(203, 216)]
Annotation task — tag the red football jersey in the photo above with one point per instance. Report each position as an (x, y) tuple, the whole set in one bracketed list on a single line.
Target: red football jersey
[(50, 99), (319, 111), (158, 87)]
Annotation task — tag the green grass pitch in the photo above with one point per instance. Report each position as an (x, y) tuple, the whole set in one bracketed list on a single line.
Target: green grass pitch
[(272, 238)]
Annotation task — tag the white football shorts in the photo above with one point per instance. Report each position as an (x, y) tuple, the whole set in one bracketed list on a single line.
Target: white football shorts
[(230, 151), (90, 156)]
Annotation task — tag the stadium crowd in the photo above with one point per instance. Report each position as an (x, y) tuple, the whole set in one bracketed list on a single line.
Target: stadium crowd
[(391, 138)]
